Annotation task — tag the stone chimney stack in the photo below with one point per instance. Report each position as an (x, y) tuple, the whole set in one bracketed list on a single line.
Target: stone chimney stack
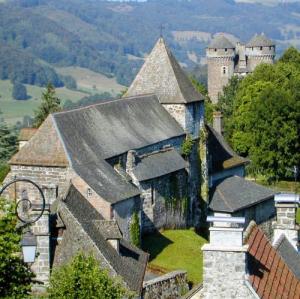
[(286, 209), (225, 260), (218, 122), (131, 161)]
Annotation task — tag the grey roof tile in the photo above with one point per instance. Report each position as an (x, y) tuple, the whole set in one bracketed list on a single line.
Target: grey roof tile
[(95, 133), (130, 263), (221, 42), (162, 75), (235, 193), (158, 164), (260, 41)]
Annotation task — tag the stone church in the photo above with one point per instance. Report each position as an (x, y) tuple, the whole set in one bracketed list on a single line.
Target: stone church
[(224, 60), (99, 165)]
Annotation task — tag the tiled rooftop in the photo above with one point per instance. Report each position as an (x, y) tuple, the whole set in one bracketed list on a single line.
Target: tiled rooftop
[(269, 275)]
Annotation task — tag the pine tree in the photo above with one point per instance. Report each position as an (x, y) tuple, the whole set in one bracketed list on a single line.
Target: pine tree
[(8, 141), (50, 103)]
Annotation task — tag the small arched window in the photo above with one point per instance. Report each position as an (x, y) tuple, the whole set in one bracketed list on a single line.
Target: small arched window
[(261, 48), (225, 49), (215, 50)]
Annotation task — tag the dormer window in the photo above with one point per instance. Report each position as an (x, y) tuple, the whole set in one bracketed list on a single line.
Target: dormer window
[(89, 193)]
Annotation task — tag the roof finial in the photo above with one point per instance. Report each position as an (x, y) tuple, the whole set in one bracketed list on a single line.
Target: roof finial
[(161, 27)]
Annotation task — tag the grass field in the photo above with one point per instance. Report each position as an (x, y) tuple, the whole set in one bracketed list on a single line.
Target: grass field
[(90, 81), (176, 250), (14, 110)]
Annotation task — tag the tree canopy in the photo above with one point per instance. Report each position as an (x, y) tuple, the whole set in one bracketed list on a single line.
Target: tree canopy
[(19, 92), (50, 103), (15, 275), (262, 115), (83, 278)]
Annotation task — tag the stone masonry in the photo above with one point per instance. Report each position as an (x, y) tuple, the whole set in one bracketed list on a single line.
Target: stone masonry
[(224, 264)]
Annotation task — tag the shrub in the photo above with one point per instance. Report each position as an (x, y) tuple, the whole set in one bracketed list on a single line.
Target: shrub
[(135, 230), (82, 278)]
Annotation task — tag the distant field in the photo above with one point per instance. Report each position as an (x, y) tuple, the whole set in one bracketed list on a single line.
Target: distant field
[(90, 81), (14, 111)]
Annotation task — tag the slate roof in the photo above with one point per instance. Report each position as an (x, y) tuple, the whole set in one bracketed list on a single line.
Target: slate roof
[(288, 253), (260, 41), (158, 164), (221, 155), (43, 149), (108, 228), (221, 42), (269, 274), (95, 133), (26, 133), (235, 193), (162, 75), (130, 263), (110, 129)]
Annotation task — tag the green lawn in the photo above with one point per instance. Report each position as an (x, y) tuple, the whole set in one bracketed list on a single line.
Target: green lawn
[(14, 111), (176, 250)]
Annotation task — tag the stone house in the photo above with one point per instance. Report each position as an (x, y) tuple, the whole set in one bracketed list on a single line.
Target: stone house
[(122, 156), (224, 60), (100, 164)]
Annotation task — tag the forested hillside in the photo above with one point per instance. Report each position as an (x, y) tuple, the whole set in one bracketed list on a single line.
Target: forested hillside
[(110, 37), (72, 43)]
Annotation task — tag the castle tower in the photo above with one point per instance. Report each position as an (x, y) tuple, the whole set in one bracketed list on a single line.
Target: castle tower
[(162, 75), (259, 50), (220, 56)]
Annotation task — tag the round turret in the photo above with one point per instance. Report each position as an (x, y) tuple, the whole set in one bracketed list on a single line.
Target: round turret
[(259, 50), (220, 56)]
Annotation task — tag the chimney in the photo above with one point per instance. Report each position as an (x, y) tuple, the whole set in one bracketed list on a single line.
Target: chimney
[(218, 122), (286, 208), (225, 259), (131, 161)]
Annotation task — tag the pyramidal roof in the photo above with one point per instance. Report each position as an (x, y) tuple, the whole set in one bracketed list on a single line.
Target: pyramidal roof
[(260, 41), (162, 75), (221, 42)]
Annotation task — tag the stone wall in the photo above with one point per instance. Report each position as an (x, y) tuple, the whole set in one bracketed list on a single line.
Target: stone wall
[(122, 213), (44, 177), (53, 181), (164, 202), (101, 205), (216, 78), (225, 274), (170, 286)]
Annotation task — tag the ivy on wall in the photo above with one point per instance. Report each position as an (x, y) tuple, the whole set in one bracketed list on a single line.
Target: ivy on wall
[(135, 233), (187, 146)]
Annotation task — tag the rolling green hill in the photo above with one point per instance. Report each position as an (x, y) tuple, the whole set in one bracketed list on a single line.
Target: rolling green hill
[(45, 40)]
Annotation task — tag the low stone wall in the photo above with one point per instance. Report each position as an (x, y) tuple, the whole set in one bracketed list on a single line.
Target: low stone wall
[(170, 286)]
